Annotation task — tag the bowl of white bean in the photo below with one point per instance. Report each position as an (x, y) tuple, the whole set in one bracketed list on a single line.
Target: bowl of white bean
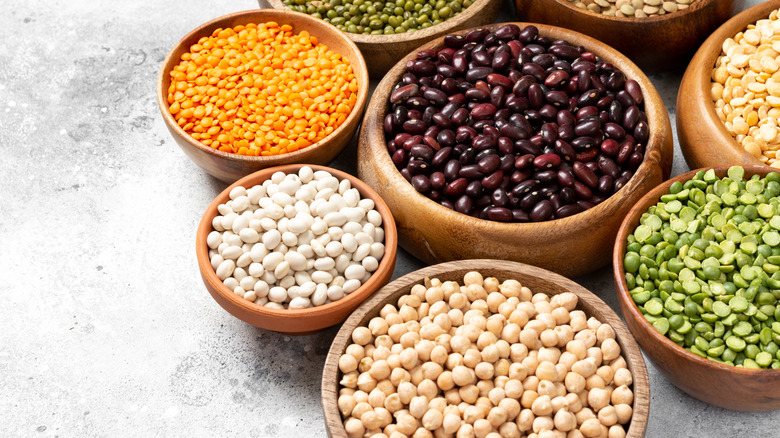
[(295, 248), (484, 348)]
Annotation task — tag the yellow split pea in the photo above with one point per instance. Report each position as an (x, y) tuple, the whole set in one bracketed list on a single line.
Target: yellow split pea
[(259, 89)]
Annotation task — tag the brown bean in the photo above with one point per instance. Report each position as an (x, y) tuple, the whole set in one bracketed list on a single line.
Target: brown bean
[(547, 161), (542, 211), (585, 175), (403, 93)]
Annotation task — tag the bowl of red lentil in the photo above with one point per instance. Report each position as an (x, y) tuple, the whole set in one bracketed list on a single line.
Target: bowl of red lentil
[(262, 88), (727, 106)]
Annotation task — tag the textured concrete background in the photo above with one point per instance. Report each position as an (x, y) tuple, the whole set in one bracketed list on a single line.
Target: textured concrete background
[(105, 326)]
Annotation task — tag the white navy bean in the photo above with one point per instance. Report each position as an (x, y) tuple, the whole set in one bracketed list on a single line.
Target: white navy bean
[(305, 174), (272, 260), (240, 204), (377, 250), (334, 248), (277, 294), (335, 219), (249, 235), (287, 282), (244, 260), (251, 296), (214, 239), (299, 303), (248, 283), (321, 277), (239, 274), (225, 269), (342, 262), (290, 239), (301, 277), (335, 233), (261, 288), (320, 295), (370, 263), (268, 224), (335, 293), (361, 252), (281, 270), (349, 242), (324, 264), (364, 238), (272, 238), (225, 209), (216, 259), (256, 269), (351, 286), (232, 252), (230, 282), (238, 290), (296, 260), (237, 191), (354, 272)]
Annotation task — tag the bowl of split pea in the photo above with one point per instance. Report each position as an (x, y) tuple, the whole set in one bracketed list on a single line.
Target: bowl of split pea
[(658, 35), (697, 268), (262, 88), (729, 99), (385, 31)]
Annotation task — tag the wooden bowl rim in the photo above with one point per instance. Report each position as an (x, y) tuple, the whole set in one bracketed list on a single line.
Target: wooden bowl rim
[(622, 288), (629, 346), (264, 15), (634, 20), (707, 55), (414, 35), (654, 108), (365, 290)]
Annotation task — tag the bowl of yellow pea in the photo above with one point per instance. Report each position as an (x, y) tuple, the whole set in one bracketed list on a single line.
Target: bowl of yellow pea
[(262, 88)]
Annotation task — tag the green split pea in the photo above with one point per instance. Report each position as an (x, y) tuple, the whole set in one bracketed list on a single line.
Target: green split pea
[(703, 266), (380, 17)]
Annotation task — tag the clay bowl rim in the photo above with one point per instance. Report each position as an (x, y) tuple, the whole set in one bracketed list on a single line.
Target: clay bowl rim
[(415, 35), (634, 20), (259, 16), (402, 286), (657, 109), (629, 223), (351, 300), (706, 57)]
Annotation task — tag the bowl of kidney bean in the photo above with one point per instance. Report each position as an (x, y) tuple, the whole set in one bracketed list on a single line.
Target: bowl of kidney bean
[(514, 141)]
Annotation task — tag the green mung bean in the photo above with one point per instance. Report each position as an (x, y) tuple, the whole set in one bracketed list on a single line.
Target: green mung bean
[(703, 266)]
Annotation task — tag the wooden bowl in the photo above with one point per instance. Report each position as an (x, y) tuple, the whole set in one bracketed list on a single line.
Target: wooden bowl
[(294, 321), (704, 140), (538, 280), (571, 246), (655, 43), (383, 51), (230, 167), (718, 384)]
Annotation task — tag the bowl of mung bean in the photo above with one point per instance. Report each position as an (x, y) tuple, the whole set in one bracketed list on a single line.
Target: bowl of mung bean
[(518, 164), (295, 248), (727, 106), (484, 348), (262, 88), (696, 268), (656, 34), (385, 31)]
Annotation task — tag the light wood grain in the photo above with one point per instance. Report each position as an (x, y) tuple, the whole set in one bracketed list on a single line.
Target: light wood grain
[(230, 167), (383, 51), (655, 43), (294, 321), (571, 246), (704, 139), (714, 383), (538, 280)]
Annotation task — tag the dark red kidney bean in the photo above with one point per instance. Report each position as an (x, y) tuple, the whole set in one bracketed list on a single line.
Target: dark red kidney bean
[(449, 85), (408, 78), (537, 140), (630, 117), (497, 98), (401, 138), (391, 147), (460, 116), (388, 124), (417, 167), (564, 117), (421, 183), (528, 34), (625, 99), (563, 65), (534, 70), (549, 133), (626, 148), (520, 216), (428, 117), (476, 35), (565, 151), (425, 81), (441, 157), (606, 183), (446, 138), (482, 142), (587, 155), (613, 130), (399, 158), (465, 134), (481, 59), (619, 183), (610, 147), (507, 32), (499, 80), (616, 81), (558, 99), (517, 104), (592, 165), (436, 97), (529, 200), (527, 147), (585, 175), (406, 174), (414, 126), (499, 214), (454, 41), (586, 112), (565, 177), (477, 73), (588, 98), (582, 191), (446, 203), (483, 111), (423, 67), (547, 161), (489, 129), (568, 195), (468, 156), (417, 103), (556, 202), (470, 171), (523, 161), (482, 124), (434, 195), (564, 51), (445, 55), (641, 132), (596, 84), (557, 78), (431, 142), (501, 60), (604, 103), (422, 152), (500, 197), (426, 54), (442, 121), (633, 88), (489, 163), (586, 204), (507, 164), (535, 96), (437, 181), (464, 204), (503, 113), (608, 167), (536, 48), (450, 108), (458, 98), (493, 180), (403, 93), (635, 160), (542, 211), (545, 177), (583, 81), (411, 141), (566, 132), (568, 210), (477, 95), (520, 87), (456, 187), (451, 170), (582, 64), (523, 188), (519, 176), (615, 112), (474, 189), (459, 63), (544, 60)]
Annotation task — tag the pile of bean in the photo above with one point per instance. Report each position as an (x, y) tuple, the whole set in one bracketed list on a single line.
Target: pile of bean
[(380, 17), (746, 88), (633, 8), (261, 90), (512, 126), (296, 241), (484, 359), (704, 267)]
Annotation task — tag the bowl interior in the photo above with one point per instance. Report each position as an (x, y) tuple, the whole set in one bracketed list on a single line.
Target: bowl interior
[(630, 222), (326, 34), (537, 279), (695, 6), (351, 300)]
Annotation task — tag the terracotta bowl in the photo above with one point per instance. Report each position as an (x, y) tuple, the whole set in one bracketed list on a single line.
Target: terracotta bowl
[(294, 321), (704, 140), (230, 167), (655, 43), (538, 280), (721, 385), (571, 246), (383, 51)]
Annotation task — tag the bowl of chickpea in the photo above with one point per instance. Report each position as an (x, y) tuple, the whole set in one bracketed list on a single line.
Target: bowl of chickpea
[(485, 348)]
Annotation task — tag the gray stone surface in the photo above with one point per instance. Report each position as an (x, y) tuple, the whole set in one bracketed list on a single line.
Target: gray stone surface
[(105, 326)]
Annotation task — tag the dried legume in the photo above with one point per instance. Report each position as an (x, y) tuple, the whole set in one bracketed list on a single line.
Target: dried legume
[(296, 241), (746, 88), (512, 126), (484, 358), (703, 266), (261, 90), (380, 17), (633, 8)]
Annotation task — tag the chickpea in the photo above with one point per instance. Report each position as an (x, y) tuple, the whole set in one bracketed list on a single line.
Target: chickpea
[(453, 360), (393, 403), (560, 315), (361, 335), (472, 277), (485, 386), (472, 357), (443, 320), (623, 377), (606, 373), (428, 389), (565, 335), (466, 431), (518, 352), (519, 317), (547, 388), (624, 413), (369, 351), (399, 332), (366, 382), (549, 354), (587, 336), (355, 351), (490, 353), (354, 428), (480, 305), (349, 380), (511, 333), (431, 370), (418, 406), (360, 409), (575, 434), (543, 307), (502, 367), (418, 290), (477, 319), (546, 371), (622, 395), (509, 430), (406, 423), (360, 396), (608, 416), (529, 337), (591, 427), (482, 427), (616, 432), (458, 301), (376, 398), (379, 370), (531, 362), (424, 348), (394, 319), (528, 398), (584, 367), (584, 414), (416, 374), (469, 393), (497, 416), (445, 380), (472, 414), (453, 396), (593, 323), (573, 400), (408, 313), (346, 403), (543, 423), (598, 398), (511, 407), (510, 288), (565, 420), (513, 388), (578, 321), (595, 354), (559, 402), (451, 423), (610, 349), (525, 420), (347, 363), (383, 344), (407, 391), (594, 381), (471, 332), (422, 432), (432, 419), (394, 360), (618, 363), (378, 326), (460, 342)]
